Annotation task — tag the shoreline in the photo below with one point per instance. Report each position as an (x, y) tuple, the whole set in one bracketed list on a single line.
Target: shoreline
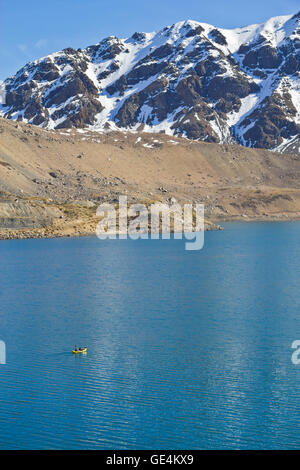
[(36, 234), (248, 219)]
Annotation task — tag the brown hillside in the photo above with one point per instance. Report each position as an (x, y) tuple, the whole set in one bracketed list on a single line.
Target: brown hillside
[(52, 181)]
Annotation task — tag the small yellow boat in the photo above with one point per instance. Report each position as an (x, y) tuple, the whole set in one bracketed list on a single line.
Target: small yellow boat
[(80, 350)]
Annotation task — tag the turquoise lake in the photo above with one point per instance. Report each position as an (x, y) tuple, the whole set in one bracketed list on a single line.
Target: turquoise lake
[(186, 349)]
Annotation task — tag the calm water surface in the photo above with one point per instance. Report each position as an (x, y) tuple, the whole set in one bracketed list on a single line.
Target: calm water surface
[(186, 350)]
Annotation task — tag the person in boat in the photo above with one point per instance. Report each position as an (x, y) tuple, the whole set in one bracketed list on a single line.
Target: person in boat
[(75, 349)]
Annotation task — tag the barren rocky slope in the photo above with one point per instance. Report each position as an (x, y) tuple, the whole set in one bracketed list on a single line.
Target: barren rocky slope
[(52, 181)]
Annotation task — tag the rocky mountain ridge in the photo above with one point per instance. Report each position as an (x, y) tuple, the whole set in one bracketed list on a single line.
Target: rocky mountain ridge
[(190, 79)]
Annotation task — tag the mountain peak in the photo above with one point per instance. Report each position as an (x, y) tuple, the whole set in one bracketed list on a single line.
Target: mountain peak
[(296, 16), (190, 79)]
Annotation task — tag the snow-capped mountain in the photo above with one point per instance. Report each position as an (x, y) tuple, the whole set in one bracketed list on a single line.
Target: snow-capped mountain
[(189, 79)]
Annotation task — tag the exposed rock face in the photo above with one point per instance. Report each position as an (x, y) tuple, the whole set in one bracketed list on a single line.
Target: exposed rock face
[(18, 214), (54, 92), (274, 121), (189, 79)]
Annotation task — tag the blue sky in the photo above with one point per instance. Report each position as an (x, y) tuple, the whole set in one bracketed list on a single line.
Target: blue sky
[(33, 28)]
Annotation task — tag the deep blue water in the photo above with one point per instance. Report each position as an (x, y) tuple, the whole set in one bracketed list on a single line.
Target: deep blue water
[(186, 349)]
